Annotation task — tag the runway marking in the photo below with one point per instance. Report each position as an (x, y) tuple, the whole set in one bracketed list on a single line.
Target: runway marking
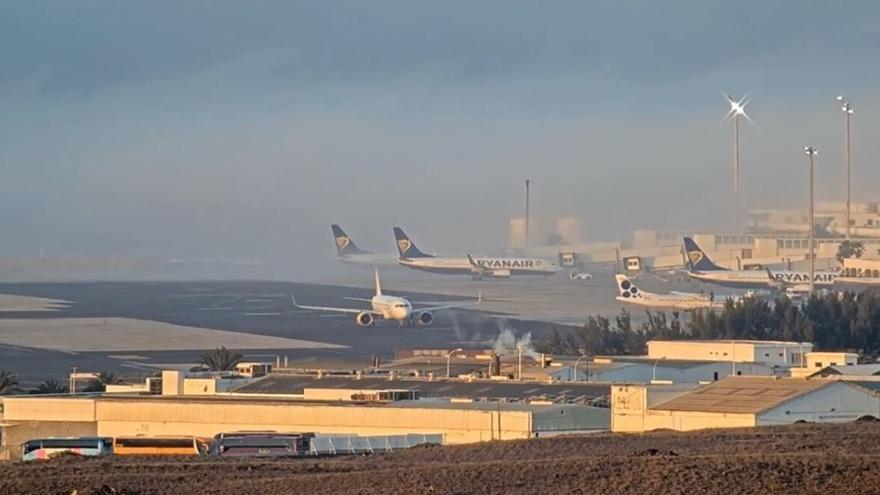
[(118, 335), (263, 314)]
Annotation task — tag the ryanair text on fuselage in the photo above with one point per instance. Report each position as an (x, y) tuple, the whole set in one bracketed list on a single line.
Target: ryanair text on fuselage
[(803, 277), (509, 263)]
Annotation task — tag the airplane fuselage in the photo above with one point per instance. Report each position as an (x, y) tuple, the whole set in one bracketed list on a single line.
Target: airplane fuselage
[(392, 307), (758, 279), (680, 302), (461, 266), (367, 259)]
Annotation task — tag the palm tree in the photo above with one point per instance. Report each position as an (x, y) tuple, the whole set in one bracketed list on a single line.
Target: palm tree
[(8, 383), (220, 359), (849, 249), (100, 382), (50, 387)]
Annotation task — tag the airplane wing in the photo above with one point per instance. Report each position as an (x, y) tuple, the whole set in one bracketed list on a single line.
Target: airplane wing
[(332, 309), (361, 299), (452, 305)]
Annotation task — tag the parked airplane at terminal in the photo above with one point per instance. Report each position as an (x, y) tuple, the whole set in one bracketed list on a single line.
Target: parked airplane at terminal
[(348, 252), (479, 267), (390, 308), (629, 293), (701, 268)]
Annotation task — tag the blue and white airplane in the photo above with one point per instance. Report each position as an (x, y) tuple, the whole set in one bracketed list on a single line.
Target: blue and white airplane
[(700, 267), (348, 252), (477, 267)]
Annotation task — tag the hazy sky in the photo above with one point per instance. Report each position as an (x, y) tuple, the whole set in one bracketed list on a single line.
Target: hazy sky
[(243, 129)]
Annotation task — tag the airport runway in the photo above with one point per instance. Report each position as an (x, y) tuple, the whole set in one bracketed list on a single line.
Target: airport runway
[(132, 327), (109, 326)]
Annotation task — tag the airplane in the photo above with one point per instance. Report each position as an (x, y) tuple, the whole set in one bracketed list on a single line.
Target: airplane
[(390, 308), (348, 252), (629, 293), (700, 267), (478, 268)]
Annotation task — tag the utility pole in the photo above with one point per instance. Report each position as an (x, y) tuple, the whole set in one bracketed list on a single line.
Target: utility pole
[(812, 152), (528, 183), (737, 110), (736, 172), (847, 110)]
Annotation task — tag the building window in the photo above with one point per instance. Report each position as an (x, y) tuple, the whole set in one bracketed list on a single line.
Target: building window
[(766, 354), (818, 364)]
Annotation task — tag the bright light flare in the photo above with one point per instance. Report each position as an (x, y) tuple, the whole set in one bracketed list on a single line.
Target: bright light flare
[(737, 108)]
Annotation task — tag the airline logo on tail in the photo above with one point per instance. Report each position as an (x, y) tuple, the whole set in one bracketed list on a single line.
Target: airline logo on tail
[(403, 245), (342, 242), (406, 247), (344, 245), (695, 257), (626, 288)]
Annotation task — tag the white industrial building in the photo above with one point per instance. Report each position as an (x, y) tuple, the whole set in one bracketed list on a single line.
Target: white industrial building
[(643, 370), (768, 352), (740, 402)]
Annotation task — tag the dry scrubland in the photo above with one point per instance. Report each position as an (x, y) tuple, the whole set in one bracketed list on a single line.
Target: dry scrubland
[(838, 459)]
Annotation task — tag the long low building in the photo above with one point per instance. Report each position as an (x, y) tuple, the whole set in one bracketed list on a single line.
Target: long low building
[(507, 390), (29, 417), (740, 402)]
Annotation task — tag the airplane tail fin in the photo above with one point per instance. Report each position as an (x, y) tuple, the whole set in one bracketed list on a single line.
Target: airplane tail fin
[(696, 259), (406, 247), (344, 244), (626, 288), (378, 285)]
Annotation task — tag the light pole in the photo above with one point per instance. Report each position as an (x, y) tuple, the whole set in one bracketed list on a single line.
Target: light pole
[(576, 363), (528, 183), (449, 360), (654, 369), (847, 110), (737, 110), (519, 361), (812, 152)]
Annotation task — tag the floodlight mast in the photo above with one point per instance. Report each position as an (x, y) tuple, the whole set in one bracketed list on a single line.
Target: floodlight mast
[(737, 110), (812, 152), (847, 110)]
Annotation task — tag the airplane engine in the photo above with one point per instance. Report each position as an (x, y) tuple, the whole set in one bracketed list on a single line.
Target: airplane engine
[(425, 318), (364, 319)]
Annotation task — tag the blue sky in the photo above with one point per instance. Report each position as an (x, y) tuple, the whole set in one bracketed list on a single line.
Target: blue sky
[(242, 129)]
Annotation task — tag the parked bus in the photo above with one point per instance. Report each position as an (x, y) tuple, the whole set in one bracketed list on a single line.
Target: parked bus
[(261, 443), (158, 446), (44, 448)]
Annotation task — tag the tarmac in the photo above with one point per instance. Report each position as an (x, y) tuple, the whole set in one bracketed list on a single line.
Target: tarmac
[(134, 328)]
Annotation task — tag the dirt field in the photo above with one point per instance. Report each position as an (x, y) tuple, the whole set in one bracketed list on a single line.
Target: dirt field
[(797, 459)]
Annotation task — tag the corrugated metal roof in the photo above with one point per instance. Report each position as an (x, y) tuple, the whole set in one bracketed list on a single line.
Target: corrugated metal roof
[(857, 369), (744, 395), (290, 384)]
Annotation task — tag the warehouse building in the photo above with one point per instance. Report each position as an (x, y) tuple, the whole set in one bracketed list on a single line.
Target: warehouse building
[(740, 402), (769, 352), (359, 412), (629, 369)]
